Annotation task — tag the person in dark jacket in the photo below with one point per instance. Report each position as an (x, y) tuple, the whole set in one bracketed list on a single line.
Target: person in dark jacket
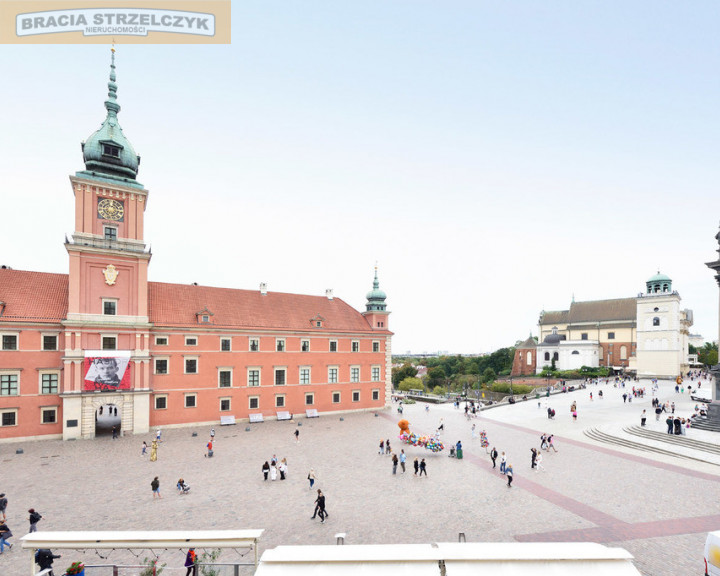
[(191, 562), (35, 517), (44, 558)]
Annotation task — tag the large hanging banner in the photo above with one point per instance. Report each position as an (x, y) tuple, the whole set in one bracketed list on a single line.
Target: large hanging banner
[(107, 370)]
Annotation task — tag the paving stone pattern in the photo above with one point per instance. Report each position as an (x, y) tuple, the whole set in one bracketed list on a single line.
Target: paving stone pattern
[(658, 508)]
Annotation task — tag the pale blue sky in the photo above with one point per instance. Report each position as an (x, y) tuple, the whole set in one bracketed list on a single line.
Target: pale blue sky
[(493, 157)]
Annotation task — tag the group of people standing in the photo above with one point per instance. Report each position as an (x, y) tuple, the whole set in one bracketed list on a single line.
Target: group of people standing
[(273, 468)]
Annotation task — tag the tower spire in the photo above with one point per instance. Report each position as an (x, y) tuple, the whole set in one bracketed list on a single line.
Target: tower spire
[(111, 104)]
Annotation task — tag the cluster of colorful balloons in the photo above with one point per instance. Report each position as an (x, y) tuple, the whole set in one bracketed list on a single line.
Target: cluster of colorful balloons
[(431, 443)]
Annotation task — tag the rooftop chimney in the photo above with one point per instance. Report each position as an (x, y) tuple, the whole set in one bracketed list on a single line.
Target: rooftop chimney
[(263, 288), (329, 293)]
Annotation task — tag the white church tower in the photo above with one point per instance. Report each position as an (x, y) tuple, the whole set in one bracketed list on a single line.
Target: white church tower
[(662, 331)]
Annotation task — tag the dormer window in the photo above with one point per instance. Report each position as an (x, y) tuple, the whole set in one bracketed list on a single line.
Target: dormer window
[(203, 317), (110, 150), (317, 322)]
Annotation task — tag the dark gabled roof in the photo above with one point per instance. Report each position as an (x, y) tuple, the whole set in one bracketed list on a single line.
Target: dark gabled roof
[(619, 309)]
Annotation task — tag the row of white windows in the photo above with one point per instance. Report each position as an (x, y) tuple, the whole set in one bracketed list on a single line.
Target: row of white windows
[(49, 381), (9, 416), (10, 383), (50, 342), (225, 375), (191, 400), (280, 344)]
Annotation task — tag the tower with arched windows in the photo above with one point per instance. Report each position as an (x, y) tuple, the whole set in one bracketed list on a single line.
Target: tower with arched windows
[(662, 330)]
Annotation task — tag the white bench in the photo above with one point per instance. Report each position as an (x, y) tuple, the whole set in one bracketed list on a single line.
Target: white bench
[(256, 418), (284, 416), (227, 420), (311, 413)]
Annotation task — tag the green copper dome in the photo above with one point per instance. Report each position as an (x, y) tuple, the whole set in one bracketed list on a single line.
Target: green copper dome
[(107, 152), (659, 284), (659, 278), (376, 297)]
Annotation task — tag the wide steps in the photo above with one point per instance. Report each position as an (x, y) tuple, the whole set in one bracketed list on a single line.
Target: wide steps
[(704, 424), (599, 436), (676, 440)]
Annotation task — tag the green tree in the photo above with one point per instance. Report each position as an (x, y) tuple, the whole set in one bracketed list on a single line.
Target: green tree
[(488, 375), (399, 374), (708, 354), (439, 391), (411, 383)]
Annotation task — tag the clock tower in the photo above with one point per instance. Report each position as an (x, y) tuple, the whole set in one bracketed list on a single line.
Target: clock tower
[(107, 319)]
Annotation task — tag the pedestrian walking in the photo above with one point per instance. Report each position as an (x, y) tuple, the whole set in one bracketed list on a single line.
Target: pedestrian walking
[(191, 563), (35, 517), (402, 460), (669, 422), (551, 443), (423, 467), (3, 507), (503, 463), (472, 432), (538, 463), (5, 535), (297, 436), (212, 433), (416, 466), (394, 463), (158, 435), (155, 485), (387, 446), (265, 470), (533, 457), (114, 433), (441, 426), (643, 418), (574, 415), (273, 471), (44, 558), (382, 447), (144, 448), (283, 468), (320, 507), (209, 447), (493, 455), (311, 477), (509, 473), (153, 451)]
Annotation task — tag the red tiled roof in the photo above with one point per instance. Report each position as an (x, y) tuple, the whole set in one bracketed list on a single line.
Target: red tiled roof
[(40, 296), (178, 304), (33, 296)]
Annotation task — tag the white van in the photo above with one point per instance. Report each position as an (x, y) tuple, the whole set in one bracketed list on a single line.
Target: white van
[(712, 554), (702, 395)]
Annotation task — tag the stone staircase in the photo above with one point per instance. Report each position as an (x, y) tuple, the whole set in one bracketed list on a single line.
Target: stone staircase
[(607, 438), (683, 441)]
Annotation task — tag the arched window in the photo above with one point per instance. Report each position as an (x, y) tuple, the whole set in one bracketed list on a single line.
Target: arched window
[(547, 355), (575, 352), (555, 356), (529, 358), (656, 321), (623, 352)]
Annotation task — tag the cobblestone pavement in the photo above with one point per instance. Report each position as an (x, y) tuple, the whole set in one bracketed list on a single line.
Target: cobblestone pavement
[(657, 507)]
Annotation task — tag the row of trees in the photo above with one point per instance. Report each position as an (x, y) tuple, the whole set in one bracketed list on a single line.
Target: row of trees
[(454, 373)]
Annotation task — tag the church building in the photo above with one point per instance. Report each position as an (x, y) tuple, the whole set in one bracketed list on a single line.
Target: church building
[(102, 347), (647, 335)]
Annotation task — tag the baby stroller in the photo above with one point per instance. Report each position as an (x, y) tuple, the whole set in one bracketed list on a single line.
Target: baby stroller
[(182, 487)]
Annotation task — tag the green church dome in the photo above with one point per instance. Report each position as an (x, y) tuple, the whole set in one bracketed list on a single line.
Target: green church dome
[(107, 152), (659, 278)]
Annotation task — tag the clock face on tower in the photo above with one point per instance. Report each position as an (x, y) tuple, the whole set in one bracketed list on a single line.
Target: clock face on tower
[(110, 209)]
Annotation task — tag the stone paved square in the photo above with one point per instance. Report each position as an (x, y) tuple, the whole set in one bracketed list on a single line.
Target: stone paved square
[(620, 497)]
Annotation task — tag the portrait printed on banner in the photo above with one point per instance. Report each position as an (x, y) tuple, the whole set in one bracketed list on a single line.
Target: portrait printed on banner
[(107, 373)]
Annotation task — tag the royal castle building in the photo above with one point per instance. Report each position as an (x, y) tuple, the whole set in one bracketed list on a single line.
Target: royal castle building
[(101, 346), (647, 335)]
